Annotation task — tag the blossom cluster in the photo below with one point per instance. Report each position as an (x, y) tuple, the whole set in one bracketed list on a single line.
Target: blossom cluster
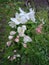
[(21, 18)]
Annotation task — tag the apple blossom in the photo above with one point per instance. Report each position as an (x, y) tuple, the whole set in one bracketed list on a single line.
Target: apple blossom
[(12, 24), (8, 43), (27, 39), (10, 37), (12, 33), (21, 30)]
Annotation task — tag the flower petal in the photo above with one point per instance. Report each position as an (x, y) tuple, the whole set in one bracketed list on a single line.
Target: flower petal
[(15, 20), (24, 27), (21, 11), (12, 33), (10, 37), (32, 15), (12, 24), (27, 39), (8, 43)]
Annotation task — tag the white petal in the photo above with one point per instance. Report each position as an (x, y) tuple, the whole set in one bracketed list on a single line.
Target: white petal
[(21, 11), (10, 37), (12, 32), (32, 10), (19, 29), (21, 14), (24, 15), (27, 39), (24, 27), (15, 20), (21, 34), (32, 17), (12, 24), (27, 16), (23, 20), (16, 15), (32, 14)]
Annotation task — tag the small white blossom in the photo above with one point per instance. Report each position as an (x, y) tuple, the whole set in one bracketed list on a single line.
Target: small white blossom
[(19, 19), (8, 43), (16, 40), (21, 30), (27, 39), (12, 24), (12, 33), (10, 37)]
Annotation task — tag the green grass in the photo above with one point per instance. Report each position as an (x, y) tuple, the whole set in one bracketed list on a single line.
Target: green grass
[(37, 52)]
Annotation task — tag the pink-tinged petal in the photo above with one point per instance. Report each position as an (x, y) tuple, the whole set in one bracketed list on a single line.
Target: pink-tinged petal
[(10, 37), (16, 40), (8, 43)]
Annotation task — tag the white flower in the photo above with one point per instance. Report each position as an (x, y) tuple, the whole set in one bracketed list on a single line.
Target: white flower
[(10, 37), (32, 14), (18, 55), (8, 43), (21, 30), (12, 33), (16, 40), (12, 24), (19, 19), (27, 39)]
